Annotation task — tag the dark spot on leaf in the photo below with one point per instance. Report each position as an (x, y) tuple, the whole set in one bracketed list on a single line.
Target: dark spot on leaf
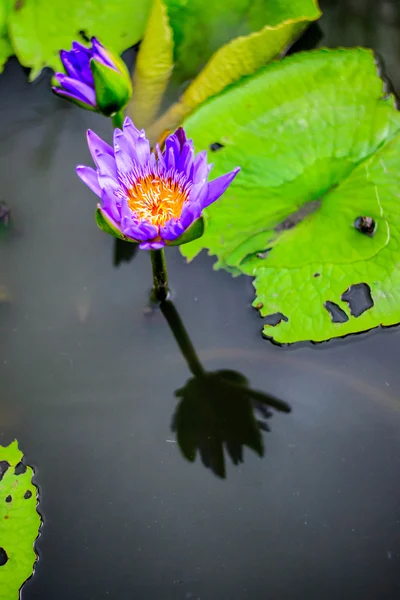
[(3, 557), (8, 499), (337, 314), (359, 298), (28, 494), (4, 465), (264, 253), (20, 469), (317, 275), (18, 5), (216, 146), (259, 305), (275, 318), (365, 225), (84, 35), (295, 218)]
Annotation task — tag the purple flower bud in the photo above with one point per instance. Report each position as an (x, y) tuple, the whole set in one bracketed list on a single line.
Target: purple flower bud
[(96, 79)]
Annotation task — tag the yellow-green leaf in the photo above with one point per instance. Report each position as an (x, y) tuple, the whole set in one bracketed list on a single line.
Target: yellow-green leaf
[(240, 57), (153, 67)]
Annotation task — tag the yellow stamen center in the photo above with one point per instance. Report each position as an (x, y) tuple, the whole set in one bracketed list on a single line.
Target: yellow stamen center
[(156, 200)]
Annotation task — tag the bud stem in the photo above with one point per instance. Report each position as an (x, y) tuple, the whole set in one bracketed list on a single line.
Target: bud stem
[(118, 119), (160, 275)]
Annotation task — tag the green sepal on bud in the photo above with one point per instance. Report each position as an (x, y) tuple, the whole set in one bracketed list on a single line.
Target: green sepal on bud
[(113, 87)]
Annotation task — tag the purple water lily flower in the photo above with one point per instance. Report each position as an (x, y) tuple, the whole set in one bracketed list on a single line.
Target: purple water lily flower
[(150, 197), (96, 79)]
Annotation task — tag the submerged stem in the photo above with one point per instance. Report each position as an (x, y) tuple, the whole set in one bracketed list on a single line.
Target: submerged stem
[(118, 119), (160, 275), (182, 337)]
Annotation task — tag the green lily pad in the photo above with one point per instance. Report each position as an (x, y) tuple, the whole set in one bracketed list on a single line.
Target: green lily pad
[(20, 522), (317, 139), (40, 28)]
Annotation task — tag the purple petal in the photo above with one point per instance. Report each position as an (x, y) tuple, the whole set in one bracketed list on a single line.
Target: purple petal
[(135, 143), (69, 64), (81, 48), (123, 153), (77, 87), (97, 145), (152, 245), (110, 204), (186, 158), (70, 96), (200, 168), (172, 151), (101, 54), (141, 232), (89, 176), (106, 164), (190, 213), (172, 230), (181, 136), (218, 186)]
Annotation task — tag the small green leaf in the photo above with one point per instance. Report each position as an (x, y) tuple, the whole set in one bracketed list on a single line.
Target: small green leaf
[(195, 231), (108, 227), (318, 141), (153, 67), (39, 29), (20, 523), (113, 88)]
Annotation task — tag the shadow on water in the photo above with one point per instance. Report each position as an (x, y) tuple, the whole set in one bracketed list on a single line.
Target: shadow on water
[(217, 409)]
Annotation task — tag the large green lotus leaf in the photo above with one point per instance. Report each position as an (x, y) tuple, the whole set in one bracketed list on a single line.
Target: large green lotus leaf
[(20, 522), (317, 139), (40, 28)]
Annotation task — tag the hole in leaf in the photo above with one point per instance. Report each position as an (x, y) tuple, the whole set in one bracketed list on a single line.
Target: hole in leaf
[(295, 218), (216, 146), (28, 494), (20, 469), (3, 468), (336, 313), (274, 319), (3, 557), (8, 499), (365, 225), (359, 298)]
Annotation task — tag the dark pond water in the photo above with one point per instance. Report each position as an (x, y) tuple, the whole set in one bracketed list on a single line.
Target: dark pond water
[(88, 377)]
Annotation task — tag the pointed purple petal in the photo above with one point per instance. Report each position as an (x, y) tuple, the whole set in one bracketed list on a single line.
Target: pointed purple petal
[(218, 186), (89, 176), (96, 144), (101, 54), (77, 87), (69, 64), (81, 48), (70, 96)]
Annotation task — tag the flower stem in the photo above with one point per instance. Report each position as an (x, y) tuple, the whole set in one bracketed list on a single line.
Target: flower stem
[(181, 335), (118, 119), (160, 275)]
